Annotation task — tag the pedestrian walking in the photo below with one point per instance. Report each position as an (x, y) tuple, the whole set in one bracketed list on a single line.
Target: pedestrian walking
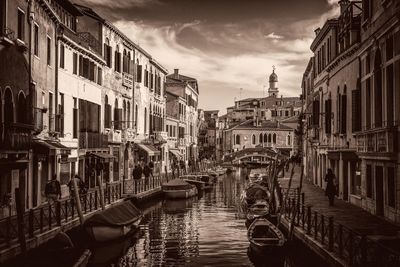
[(79, 183), (330, 190), (137, 174), (53, 190), (146, 172)]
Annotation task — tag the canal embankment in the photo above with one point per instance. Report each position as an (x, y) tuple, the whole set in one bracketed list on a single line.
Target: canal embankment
[(343, 234)]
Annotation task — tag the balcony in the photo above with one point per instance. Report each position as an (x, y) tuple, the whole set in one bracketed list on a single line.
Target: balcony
[(378, 141), (92, 140), (114, 136), (127, 80), (15, 136), (128, 135)]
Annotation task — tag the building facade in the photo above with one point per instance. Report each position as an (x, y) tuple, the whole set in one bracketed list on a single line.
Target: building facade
[(351, 90)]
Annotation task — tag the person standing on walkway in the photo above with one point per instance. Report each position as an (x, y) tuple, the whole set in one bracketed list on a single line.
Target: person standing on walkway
[(146, 172), (53, 190), (151, 166), (137, 174), (330, 190)]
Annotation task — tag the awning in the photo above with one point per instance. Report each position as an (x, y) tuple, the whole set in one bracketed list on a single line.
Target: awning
[(103, 156), (346, 155), (176, 153), (51, 147), (149, 149)]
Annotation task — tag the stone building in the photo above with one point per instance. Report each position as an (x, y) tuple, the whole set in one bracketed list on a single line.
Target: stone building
[(352, 104), (186, 88)]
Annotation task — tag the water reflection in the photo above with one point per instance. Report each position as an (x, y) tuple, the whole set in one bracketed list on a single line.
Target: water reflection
[(204, 231)]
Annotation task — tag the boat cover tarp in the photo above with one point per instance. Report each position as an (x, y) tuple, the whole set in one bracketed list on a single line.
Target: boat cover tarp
[(121, 214), (176, 184), (257, 192)]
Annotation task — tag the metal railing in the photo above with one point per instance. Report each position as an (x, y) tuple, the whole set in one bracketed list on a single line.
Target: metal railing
[(354, 248), (132, 186), (51, 215)]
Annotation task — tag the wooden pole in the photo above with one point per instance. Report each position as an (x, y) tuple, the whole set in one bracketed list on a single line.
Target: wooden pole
[(100, 182), (20, 220), (77, 200)]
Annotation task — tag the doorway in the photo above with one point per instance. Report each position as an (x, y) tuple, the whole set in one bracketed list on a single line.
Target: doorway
[(379, 190)]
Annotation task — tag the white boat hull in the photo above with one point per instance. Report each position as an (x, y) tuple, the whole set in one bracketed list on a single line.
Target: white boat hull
[(108, 233), (180, 193)]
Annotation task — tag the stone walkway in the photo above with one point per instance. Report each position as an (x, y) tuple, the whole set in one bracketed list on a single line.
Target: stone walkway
[(343, 212)]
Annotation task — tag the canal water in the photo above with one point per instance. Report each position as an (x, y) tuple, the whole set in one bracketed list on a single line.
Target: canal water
[(208, 230)]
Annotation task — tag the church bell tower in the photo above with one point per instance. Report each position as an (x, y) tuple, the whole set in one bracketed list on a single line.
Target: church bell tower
[(273, 84)]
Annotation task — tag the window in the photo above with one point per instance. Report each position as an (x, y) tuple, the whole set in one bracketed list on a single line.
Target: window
[(48, 51), (75, 119), (237, 139), (107, 53), (51, 118), (369, 181), (36, 40), (289, 140), (139, 74), (62, 55), (391, 187), (74, 63), (99, 76), (21, 25), (328, 113), (368, 111), (389, 48), (390, 110), (356, 110), (343, 113)]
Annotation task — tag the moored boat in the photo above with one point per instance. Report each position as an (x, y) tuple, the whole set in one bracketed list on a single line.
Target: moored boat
[(114, 222), (178, 188), (265, 237), (194, 180), (259, 209)]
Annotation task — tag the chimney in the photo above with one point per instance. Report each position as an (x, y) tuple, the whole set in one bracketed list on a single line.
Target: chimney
[(343, 5), (176, 73), (317, 30)]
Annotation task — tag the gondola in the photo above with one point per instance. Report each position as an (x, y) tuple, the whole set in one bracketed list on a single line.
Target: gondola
[(265, 237), (259, 209), (114, 222)]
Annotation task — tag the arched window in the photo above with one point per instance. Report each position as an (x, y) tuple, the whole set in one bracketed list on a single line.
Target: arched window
[(123, 114), (128, 111), (274, 138), (269, 138), (260, 139), (21, 108), (116, 115), (289, 141), (378, 88), (253, 139), (265, 138), (107, 111), (8, 107), (136, 114)]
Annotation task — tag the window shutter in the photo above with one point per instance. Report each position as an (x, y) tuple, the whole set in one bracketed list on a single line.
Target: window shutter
[(328, 116), (75, 123), (316, 113), (120, 118), (139, 74), (343, 114)]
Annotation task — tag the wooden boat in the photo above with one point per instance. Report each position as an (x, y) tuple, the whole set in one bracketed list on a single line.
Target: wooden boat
[(194, 180), (207, 179), (114, 222), (265, 237), (259, 209), (178, 188)]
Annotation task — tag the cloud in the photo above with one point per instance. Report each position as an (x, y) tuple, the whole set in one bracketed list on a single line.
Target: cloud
[(226, 45), (274, 36)]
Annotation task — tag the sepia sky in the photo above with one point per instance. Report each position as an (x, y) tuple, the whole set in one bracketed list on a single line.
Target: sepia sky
[(225, 44)]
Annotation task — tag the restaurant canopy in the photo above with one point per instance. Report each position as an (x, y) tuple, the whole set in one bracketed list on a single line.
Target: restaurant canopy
[(176, 153), (149, 149), (50, 147), (103, 156)]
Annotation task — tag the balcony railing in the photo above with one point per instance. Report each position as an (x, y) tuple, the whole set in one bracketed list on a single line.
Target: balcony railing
[(381, 141), (15, 136), (114, 136), (128, 135), (92, 140)]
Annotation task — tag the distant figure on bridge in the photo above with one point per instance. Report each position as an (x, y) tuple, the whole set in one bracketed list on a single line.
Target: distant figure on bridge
[(330, 190), (147, 173), (53, 189)]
